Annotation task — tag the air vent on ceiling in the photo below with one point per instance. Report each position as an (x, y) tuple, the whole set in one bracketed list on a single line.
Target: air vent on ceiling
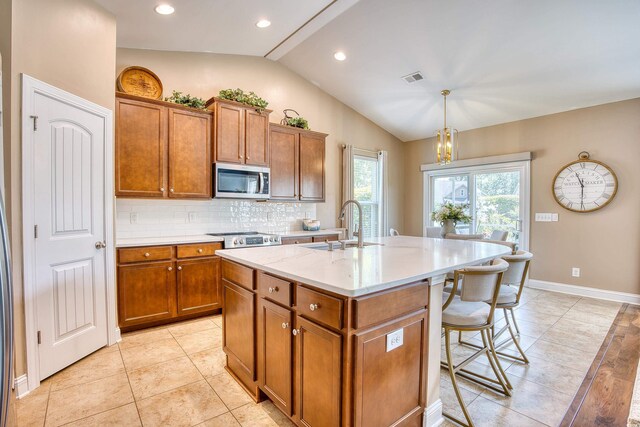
[(413, 77)]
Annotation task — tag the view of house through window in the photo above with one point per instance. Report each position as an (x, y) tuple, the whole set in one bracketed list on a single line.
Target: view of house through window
[(366, 190)]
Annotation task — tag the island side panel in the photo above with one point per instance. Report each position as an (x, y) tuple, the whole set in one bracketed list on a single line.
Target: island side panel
[(434, 405)]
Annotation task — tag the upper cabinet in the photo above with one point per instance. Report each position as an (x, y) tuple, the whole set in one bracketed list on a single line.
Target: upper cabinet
[(162, 149), (297, 164), (241, 134)]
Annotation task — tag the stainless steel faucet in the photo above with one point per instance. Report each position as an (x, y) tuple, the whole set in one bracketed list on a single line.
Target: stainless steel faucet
[(359, 231)]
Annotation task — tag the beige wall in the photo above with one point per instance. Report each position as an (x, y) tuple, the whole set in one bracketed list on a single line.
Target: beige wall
[(204, 74), (605, 244), (69, 44)]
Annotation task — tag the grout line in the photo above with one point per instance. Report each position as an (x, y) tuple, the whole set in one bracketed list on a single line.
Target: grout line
[(133, 396)]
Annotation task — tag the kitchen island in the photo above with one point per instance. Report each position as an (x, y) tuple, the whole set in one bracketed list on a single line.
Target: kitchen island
[(347, 337)]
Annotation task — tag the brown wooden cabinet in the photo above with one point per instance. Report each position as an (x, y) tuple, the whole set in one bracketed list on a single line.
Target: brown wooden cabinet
[(318, 374), (297, 162), (162, 149), (161, 284), (325, 359), (241, 133)]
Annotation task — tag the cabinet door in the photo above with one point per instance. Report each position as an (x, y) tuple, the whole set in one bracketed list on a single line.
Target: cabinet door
[(198, 285), (239, 328), (311, 167), (189, 154), (141, 140), (146, 292), (229, 133), (284, 164), (318, 374), (402, 393), (256, 138), (276, 360)]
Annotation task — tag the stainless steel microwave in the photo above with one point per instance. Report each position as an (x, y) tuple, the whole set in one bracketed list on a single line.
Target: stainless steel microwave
[(240, 181)]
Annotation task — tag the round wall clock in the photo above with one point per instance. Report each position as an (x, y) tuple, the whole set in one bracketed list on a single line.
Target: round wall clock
[(141, 82), (585, 185)]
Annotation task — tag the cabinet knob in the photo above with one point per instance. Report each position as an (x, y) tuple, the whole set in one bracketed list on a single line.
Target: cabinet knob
[(241, 157), (296, 242), (314, 307), (162, 189), (285, 325), (273, 289), (147, 254), (170, 268), (199, 250), (179, 268), (171, 189), (295, 331)]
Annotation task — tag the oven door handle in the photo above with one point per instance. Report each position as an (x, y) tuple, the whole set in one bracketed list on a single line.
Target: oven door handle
[(261, 175)]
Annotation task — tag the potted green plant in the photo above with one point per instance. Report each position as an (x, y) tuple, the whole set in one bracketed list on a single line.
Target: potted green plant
[(296, 122), (248, 98), (187, 100), (449, 215)]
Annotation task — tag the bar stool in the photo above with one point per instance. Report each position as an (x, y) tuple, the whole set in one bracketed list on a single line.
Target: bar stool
[(469, 312), (499, 235), (511, 289)]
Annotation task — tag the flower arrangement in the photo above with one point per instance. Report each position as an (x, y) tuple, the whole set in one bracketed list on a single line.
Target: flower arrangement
[(249, 98), (453, 212), (188, 100)]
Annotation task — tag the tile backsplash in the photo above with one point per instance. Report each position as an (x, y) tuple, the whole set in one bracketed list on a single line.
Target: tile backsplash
[(157, 218)]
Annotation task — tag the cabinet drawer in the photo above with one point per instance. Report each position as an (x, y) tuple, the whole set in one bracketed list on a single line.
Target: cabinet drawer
[(384, 306), (323, 308), (329, 237), (238, 274), (149, 253), (296, 240), (198, 249), (275, 289)]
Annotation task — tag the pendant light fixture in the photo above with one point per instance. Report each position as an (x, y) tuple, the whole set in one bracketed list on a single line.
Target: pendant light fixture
[(446, 146)]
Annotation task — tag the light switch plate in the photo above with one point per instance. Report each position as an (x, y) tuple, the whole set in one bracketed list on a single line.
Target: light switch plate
[(546, 217), (395, 339)]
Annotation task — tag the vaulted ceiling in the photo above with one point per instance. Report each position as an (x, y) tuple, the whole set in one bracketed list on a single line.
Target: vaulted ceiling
[(503, 60)]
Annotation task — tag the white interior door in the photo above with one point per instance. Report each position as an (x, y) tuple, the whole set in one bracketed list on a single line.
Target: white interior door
[(69, 218)]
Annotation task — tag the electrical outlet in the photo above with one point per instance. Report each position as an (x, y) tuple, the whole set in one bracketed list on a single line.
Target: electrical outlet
[(307, 215), (554, 217), (193, 216), (269, 216), (133, 217), (575, 272), (395, 339)]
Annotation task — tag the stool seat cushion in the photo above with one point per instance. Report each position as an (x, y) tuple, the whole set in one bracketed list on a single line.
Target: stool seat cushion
[(507, 295), (463, 313)]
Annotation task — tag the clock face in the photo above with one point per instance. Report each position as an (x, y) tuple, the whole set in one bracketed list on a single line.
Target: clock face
[(585, 186)]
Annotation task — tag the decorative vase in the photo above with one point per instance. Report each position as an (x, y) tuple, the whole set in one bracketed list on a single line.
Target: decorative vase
[(448, 226)]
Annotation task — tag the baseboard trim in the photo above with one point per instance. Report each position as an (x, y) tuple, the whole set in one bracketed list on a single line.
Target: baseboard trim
[(583, 291), (433, 414), (21, 385)]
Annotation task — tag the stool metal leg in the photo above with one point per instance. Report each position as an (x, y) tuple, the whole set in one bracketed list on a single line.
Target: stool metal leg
[(502, 375), (456, 389)]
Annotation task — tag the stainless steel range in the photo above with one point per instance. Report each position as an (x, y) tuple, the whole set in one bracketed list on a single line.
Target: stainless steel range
[(247, 239)]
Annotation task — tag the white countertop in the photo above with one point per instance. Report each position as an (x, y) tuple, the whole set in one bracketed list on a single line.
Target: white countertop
[(167, 240), (355, 272)]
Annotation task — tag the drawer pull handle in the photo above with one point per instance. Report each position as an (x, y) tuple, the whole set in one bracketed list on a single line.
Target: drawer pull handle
[(170, 268), (285, 325), (199, 251), (314, 307), (295, 332), (274, 289), (147, 254), (179, 268)]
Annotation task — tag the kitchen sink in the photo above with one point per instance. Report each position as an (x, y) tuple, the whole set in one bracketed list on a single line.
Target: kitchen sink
[(338, 246)]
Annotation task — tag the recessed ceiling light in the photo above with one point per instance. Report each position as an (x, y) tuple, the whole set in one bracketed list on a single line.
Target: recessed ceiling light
[(164, 9), (263, 23), (340, 56)]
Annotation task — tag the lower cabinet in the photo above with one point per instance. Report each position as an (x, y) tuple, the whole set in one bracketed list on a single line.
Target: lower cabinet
[(276, 354), (160, 284), (238, 325), (195, 291), (318, 374), (146, 293)]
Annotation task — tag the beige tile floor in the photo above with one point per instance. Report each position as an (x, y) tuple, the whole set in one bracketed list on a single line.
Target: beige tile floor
[(561, 335), (174, 376)]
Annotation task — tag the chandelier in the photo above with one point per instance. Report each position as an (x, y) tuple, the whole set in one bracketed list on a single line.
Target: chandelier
[(446, 145)]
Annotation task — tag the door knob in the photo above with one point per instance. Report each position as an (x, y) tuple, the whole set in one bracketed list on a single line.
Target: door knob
[(101, 245)]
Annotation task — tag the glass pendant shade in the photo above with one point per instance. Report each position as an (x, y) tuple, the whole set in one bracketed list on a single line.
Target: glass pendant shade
[(446, 144)]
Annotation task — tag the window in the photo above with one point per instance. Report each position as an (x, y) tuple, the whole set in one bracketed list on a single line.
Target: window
[(365, 181)]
